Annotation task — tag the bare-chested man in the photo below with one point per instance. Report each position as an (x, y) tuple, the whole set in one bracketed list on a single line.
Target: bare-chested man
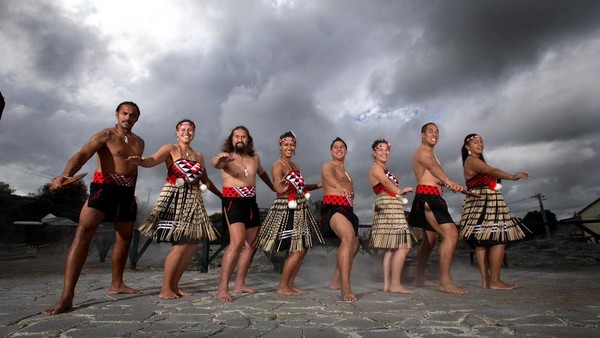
[(239, 166), (430, 212), (337, 216), (111, 199)]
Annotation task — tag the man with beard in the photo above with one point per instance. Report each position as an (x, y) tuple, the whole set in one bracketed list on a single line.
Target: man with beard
[(430, 212), (239, 166), (111, 199)]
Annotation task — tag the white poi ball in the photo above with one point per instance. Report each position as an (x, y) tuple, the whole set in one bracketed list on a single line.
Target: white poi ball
[(179, 182), (404, 200), (498, 187), (203, 187), (307, 195), (292, 204)]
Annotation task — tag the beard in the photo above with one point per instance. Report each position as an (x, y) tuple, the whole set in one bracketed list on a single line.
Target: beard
[(240, 148)]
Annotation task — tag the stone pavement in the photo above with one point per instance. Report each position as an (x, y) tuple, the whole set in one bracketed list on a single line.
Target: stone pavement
[(549, 303)]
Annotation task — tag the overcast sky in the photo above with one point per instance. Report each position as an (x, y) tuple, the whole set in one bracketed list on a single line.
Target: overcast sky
[(523, 74)]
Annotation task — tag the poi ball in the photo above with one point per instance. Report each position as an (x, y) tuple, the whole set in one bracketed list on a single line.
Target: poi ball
[(179, 182), (404, 200), (203, 187), (307, 195), (292, 204), (498, 187)]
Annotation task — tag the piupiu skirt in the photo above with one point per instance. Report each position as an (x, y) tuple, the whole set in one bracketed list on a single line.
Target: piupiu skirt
[(486, 220), (286, 229), (179, 216), (389, 229)]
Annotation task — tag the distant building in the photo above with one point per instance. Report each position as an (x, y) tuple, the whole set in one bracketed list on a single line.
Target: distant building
[(50, 229), (590, 212)]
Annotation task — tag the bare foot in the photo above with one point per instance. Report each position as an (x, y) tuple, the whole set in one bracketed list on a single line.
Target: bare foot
[(298, 290), (451, 288), (400, 289), (123, 290), (348, 296), (182, 293), (60, 306), (224, 296), (287, 291), (426, 284), (243, 289), (335, 285), (501, 285), (168, 294)]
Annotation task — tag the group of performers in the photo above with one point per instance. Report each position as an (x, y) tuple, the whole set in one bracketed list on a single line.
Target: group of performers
[(179, 216)]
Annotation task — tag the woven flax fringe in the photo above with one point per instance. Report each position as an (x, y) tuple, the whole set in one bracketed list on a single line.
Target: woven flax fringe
[(273, 229), (487, 218), (389, 229), (179, 213)]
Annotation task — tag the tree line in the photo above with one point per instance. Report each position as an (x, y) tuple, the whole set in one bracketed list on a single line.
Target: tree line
[(67, 203)]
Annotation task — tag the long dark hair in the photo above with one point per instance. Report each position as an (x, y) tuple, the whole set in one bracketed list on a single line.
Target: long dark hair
[(465, 152), (228, 146)]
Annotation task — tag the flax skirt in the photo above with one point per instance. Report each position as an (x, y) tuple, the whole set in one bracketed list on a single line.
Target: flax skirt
[(286, 229), (486, 220), (390, 229), (179, 216)]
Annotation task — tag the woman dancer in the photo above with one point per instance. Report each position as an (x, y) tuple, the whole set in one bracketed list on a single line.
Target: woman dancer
[(389, 230), (289, 222), (486, 223), (179, 216)]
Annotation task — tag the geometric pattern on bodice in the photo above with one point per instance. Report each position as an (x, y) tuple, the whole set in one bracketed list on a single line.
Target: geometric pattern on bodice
[(189, 170), (296, 182)]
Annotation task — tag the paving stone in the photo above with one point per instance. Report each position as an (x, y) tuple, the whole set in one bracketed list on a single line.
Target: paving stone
[(548, 303)]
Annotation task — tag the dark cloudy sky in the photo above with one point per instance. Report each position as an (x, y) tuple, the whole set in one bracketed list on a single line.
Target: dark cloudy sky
[(523, 74)]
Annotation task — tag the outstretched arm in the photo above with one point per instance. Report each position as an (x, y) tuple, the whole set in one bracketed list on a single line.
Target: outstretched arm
[(158, 157), (481, 167), (221, 160), (313, 186), (77, 161)]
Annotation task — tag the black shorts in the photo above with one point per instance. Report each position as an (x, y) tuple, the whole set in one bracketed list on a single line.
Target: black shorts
[(116, 202), (241, 210), (328, 210), (437, 205)]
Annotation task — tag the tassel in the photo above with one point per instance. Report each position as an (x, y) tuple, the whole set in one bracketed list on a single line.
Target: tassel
[(292, 201)]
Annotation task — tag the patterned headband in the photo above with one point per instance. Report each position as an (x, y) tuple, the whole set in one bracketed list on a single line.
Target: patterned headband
[(474, 137), (184, 123), (384, 145), (287, 137)]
